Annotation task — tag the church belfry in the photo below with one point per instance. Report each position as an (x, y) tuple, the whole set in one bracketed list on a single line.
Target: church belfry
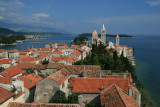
[(103, 34), (117, 40)]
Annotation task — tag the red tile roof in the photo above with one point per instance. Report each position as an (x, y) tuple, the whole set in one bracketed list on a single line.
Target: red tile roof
[(5, 95), (27, 65), (59, 52), (27, 59), (45, 53), (116, 97), (60, 76), (40, 66), (12, 71), (80, 50), (5, 61), (44, 49), (30, 80), (14, 50), (71, 59), (18, 104), (22, 53), (91, 70), (29, 50), (93, 85), (55, 65), (58, 58), (2, 50), (5, 80), (77, 53)]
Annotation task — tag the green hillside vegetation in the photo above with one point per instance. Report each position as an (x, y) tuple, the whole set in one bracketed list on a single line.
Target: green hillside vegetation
[(7, 31), (79, 40), (116, 64), (5, 39), (107, 35)]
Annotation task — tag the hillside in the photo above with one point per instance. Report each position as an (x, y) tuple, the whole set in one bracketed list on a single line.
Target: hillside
[(6, 31)]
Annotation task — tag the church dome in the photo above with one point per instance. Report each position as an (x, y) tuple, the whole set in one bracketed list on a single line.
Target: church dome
[(95, 34)]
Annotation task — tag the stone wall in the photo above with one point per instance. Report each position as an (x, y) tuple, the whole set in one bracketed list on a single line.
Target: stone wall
[(45, 90), (91, 98)]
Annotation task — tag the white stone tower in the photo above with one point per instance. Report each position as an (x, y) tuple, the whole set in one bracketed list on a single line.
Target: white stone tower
[(103, 34), (117, 40)]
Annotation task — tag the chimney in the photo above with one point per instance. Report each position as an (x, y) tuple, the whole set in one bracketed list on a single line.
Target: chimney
[(80, 100), (102, 89), (124, 76), (130, 91), (84, 71)]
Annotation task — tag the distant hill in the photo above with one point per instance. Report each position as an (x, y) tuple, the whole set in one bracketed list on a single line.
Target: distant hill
[(108, 35), (6, 31)]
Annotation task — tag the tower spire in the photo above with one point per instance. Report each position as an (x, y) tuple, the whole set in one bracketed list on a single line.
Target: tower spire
[(103, 34)]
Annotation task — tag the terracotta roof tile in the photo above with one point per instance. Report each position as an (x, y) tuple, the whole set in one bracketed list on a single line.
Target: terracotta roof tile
[(115, 96), (56, 59), (14, 50), (12, 71), (2, 50), (22, 53), (44, 49), (27, 65), (27, 59), (91, 70), (60, 76), (5, 61), (18, 104), (71, 59), (77, 53), (40, 66), (30, 80), (5, 95), (93, 85), (59, 52), (55, 65), (5, 80)]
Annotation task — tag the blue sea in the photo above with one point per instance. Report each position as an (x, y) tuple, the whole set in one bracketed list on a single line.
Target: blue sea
[(146, 51)]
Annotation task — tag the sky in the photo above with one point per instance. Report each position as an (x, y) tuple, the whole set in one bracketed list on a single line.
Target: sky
[(80, 16)]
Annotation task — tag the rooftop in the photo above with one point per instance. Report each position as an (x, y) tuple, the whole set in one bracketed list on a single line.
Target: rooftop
[(93, 85), (12, 71), (30, 80), (116, 97), (14, 50), (18, 104), (60, 76), (5, 95)]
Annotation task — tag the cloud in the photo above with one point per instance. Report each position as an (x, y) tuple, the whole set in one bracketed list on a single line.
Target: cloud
[(39, 15), (13, 4), (154, 3), (1, 17)]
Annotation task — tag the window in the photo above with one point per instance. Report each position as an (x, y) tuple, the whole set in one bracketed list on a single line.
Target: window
[(63, 85)]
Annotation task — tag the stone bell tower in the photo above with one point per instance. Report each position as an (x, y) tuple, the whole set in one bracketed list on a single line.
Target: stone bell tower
[(103, 35), (117, 41)]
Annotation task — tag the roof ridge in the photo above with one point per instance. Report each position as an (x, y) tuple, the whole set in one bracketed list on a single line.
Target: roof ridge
[(119, 95)]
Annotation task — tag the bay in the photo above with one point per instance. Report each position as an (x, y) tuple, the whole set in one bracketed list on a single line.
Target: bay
[(146, 51)]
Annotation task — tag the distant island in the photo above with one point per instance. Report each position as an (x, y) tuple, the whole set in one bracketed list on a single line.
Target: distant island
[(107, 35), (7, 31)]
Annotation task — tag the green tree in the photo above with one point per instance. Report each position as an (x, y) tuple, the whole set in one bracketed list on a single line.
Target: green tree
[(73, 98), (44, 62), (60, 99)]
